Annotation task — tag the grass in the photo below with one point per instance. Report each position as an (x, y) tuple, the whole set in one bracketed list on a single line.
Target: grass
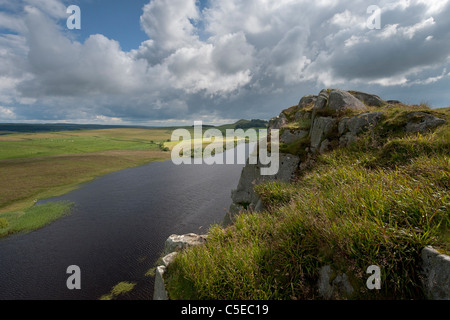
[(31, 145), (33, 218), (379, 202), (118, 290)]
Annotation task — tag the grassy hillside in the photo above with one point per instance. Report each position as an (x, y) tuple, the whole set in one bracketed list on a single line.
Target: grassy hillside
[(377, 202)]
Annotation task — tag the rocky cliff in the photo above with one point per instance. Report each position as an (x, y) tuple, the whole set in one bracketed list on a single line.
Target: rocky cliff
[(319, 124)]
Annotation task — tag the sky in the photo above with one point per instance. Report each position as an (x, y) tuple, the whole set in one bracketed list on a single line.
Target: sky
[(173, 62)]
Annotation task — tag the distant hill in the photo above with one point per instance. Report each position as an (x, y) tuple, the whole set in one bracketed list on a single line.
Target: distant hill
[(245, 124), (8, 128)]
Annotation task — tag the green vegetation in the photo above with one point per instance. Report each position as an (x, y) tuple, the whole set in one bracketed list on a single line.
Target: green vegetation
[(32, 218), (378, 202), (118, 290), (31, 145), (35, 166)]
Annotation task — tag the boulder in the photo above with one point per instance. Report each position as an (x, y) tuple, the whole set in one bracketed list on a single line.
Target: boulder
[(340, 100), (322, 126), (322, 100), (368, 99), (173, 244), (436, 274), (421, 122), (288, 167), (307, 100)]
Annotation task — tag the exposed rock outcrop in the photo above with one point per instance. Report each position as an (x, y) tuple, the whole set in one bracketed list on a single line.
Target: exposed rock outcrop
[(349, 128), (436, 274), (421, 122), (245, 197), (327, 129), (368, 99), (340, 100), (306, 101), (179, 242), (173, 245), (321, 128)]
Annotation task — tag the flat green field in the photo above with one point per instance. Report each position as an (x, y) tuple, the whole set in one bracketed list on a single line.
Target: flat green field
[(35, 166), (30, 145)]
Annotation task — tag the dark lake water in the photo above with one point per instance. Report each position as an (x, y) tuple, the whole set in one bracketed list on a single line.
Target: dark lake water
[(116, 231)]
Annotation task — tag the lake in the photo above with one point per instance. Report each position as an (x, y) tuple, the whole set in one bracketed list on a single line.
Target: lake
[(116, 231)]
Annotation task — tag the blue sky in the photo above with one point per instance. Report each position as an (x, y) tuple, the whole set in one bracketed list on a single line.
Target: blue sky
[(167, 62), (116, 19)]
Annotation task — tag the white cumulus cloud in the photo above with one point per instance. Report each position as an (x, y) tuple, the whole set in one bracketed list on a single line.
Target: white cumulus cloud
[(228, 59)]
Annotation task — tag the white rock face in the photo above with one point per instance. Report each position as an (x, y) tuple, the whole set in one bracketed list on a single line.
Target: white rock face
[(173, 245), (159, 291), (179, 242)]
